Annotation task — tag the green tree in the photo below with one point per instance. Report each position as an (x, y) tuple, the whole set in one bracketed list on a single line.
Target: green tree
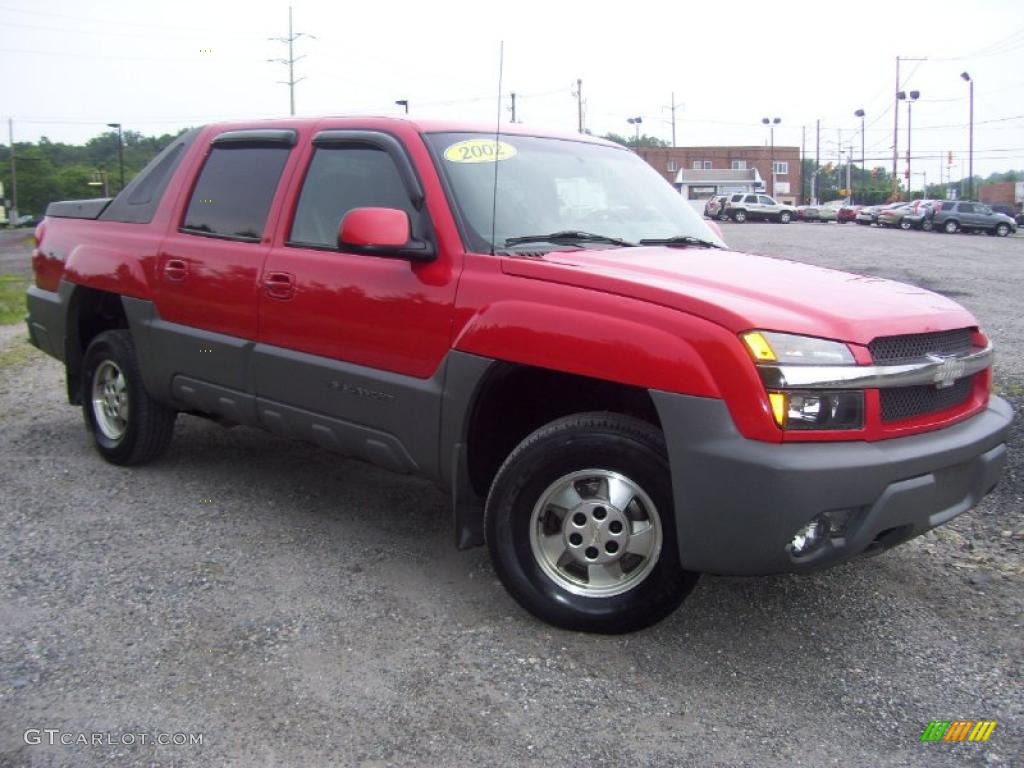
[(646, 142)]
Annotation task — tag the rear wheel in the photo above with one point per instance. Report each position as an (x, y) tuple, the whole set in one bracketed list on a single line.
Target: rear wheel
[(739, 216), (951, 227), (904, 224), (785, 217), (1002, 230), (927, 225), (580, 528), (127, 425)]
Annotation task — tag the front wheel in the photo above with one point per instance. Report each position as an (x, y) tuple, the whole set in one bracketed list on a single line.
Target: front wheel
[(927, 225), (127, 425), (580, 526), (1002, 230), (739, 216), (785, 217), (904, 224)]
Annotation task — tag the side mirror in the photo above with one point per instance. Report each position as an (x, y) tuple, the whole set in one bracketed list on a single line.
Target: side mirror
[(382, 232), (385, 229)]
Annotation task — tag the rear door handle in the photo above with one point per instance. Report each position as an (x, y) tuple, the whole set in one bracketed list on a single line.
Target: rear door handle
[(176, 269), (279, 285)]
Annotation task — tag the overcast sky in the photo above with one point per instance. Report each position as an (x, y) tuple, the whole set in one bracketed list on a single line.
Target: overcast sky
[(72, 66)]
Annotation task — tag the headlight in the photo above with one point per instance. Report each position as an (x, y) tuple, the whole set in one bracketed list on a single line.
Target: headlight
[(787, 348), (809, 409)]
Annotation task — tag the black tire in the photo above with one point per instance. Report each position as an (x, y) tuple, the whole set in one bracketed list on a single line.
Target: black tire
[(148, 425), (785, 217), (905, 225), (951, 227), (927, 225), (739, 216), (588, 441), (1001, 230)]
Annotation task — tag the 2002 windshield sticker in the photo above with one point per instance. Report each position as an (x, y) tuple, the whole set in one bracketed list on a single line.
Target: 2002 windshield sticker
[(479, 151)]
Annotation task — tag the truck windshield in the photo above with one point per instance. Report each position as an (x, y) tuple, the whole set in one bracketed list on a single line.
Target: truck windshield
[(547, 185)]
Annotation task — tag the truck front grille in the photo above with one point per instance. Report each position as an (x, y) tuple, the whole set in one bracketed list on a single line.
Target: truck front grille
[(915, 347), (907, 402)]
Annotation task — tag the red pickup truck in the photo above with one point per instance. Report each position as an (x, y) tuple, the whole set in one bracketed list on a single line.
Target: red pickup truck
[(615, 401)]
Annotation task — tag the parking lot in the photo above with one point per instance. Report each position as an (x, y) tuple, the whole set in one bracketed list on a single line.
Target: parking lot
[(296, 608)]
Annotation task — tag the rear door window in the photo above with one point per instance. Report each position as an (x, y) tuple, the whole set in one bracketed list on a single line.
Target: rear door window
[(966, 208), (751, 199), (232, 196)]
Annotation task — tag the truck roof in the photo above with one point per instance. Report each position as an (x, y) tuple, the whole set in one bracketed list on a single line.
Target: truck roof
[(418, 124)]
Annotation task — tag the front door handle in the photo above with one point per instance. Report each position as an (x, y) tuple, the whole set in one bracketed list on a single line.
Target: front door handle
[(176, 269), (279, 285)]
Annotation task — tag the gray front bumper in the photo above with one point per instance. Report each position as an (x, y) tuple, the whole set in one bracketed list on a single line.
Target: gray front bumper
[(738, 502)]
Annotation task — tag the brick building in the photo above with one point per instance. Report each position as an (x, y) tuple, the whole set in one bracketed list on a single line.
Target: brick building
[(669, 161), (1006, 192)]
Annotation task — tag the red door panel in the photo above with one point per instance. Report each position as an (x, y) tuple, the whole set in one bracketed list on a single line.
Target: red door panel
[(383, 313)]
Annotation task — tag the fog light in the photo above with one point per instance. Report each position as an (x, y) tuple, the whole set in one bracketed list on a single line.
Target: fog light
[(836, 521), (808, 538)]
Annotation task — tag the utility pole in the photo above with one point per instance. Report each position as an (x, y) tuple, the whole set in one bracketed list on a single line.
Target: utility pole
[(579, 95), (513, 106), (849, 179), (290, 61), (803, 153), (839, 159), (13, 218), (672, 108), (817, 162)]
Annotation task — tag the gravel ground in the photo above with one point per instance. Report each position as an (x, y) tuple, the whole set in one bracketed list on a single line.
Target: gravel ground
[(300, 609)]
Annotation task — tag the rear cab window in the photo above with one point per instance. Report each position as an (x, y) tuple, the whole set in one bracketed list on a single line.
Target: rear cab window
[(232, 195)]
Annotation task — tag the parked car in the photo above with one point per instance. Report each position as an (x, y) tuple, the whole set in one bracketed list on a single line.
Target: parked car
[(921, 218), (1009, 210), (825, 212), (28, 220), (868, 215), (758, 206), (848, 213), (971, 216), (610, 416), (714, 208), (892, 216)]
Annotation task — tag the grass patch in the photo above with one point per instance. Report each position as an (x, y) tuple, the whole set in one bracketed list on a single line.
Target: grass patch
[(16, 353), (12, 299)]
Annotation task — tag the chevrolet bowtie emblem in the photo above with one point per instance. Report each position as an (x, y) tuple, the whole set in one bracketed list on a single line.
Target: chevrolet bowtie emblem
[(948, 371)]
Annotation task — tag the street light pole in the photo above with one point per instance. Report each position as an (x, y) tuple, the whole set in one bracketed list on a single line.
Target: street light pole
[(970, 146), (120, 151), (863, 182), (403, 103), (771, 131), (12, 220), (635, 122), (913, 96)]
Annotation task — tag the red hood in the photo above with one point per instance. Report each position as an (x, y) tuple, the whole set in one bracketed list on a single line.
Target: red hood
[(741, 291)]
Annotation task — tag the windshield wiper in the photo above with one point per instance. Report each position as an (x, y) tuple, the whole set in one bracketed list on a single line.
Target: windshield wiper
[(680, 241), (569, 236)]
